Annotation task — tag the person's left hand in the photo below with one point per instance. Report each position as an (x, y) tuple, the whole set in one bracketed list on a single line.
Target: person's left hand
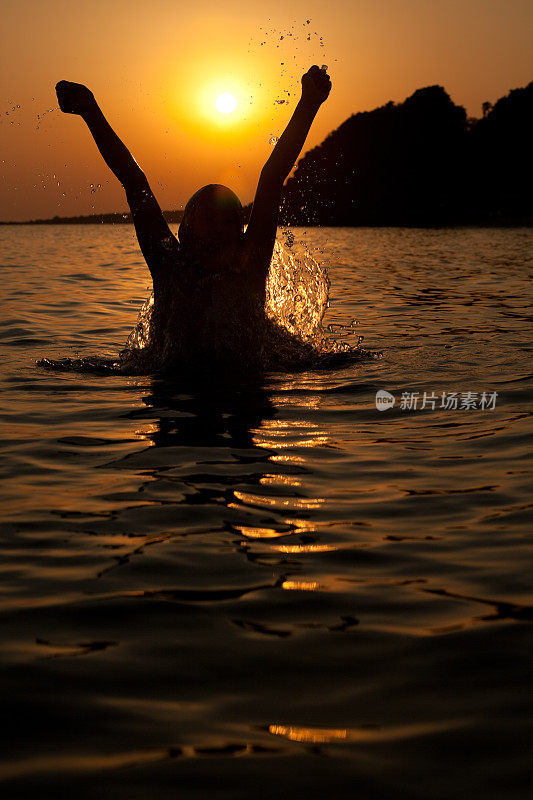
[(316, 85), (74, 98)]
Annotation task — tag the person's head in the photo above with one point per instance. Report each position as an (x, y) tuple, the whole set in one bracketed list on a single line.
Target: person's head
[(212, 220)]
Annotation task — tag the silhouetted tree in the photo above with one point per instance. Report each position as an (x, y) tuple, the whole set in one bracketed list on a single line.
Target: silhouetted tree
[(501, 165)]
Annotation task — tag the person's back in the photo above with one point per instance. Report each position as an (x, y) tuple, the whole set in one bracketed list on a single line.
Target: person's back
[(209, 286), (203, 316)]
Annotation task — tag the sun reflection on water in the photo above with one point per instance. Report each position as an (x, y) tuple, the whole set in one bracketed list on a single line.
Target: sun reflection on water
[(304, 548), (308, 734), (261, 533), (305, 586), (289, 502), (280, 480)]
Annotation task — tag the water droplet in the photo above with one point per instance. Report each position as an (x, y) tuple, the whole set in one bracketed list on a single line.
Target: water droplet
[(273, 140)]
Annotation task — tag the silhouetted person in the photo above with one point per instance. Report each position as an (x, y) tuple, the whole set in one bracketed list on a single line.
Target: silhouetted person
[(209, 287)]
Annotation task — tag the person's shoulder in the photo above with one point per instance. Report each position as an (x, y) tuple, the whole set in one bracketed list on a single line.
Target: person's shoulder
[(170, 260)]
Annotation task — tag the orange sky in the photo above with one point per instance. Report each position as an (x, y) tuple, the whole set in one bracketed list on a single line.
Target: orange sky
[(155, 66)]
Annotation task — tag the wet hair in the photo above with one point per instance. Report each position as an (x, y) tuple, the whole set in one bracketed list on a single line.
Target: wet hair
[(213, 216)]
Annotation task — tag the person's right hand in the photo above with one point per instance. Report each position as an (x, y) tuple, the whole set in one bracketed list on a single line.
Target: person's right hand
[(74, 98)]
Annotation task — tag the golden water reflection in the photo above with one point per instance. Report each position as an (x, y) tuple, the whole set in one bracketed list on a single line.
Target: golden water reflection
[(276, 433), (363, 734), (304, 548), (311, 441), (280, 426), (301, 525), (314, 735), (306, 586), (261, 533), (290, 502), (280, 480)]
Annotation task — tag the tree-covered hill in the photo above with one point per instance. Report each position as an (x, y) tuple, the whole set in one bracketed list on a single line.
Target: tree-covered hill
[(420, 162)]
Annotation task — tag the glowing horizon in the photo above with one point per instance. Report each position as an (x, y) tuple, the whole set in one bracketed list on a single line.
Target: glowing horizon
[(157, 73)]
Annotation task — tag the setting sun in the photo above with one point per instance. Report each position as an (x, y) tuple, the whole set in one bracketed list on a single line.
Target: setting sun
[(226, 103), (218, 101)]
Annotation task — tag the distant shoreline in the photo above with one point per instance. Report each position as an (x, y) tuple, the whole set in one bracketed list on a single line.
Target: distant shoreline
[(115, 218), (174, 217)]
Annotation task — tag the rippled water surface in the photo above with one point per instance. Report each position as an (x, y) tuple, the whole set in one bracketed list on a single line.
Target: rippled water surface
[(269, 589)]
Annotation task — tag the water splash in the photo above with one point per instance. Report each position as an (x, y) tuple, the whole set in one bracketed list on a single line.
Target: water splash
[(297, 298), (292, 330), (99, 365), (139, 338), (297, 291)]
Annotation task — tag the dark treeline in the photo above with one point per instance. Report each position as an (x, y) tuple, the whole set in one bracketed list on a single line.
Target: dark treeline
[(420, 162)]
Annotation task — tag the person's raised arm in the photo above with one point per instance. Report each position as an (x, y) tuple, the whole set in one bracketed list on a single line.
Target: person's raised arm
[(261, 231), (153, 233)]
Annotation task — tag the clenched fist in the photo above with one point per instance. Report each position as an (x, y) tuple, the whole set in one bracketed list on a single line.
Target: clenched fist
[(74, 98), (316, 85)]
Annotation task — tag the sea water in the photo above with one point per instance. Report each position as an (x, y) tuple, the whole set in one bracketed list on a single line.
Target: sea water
[(271, 588)]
